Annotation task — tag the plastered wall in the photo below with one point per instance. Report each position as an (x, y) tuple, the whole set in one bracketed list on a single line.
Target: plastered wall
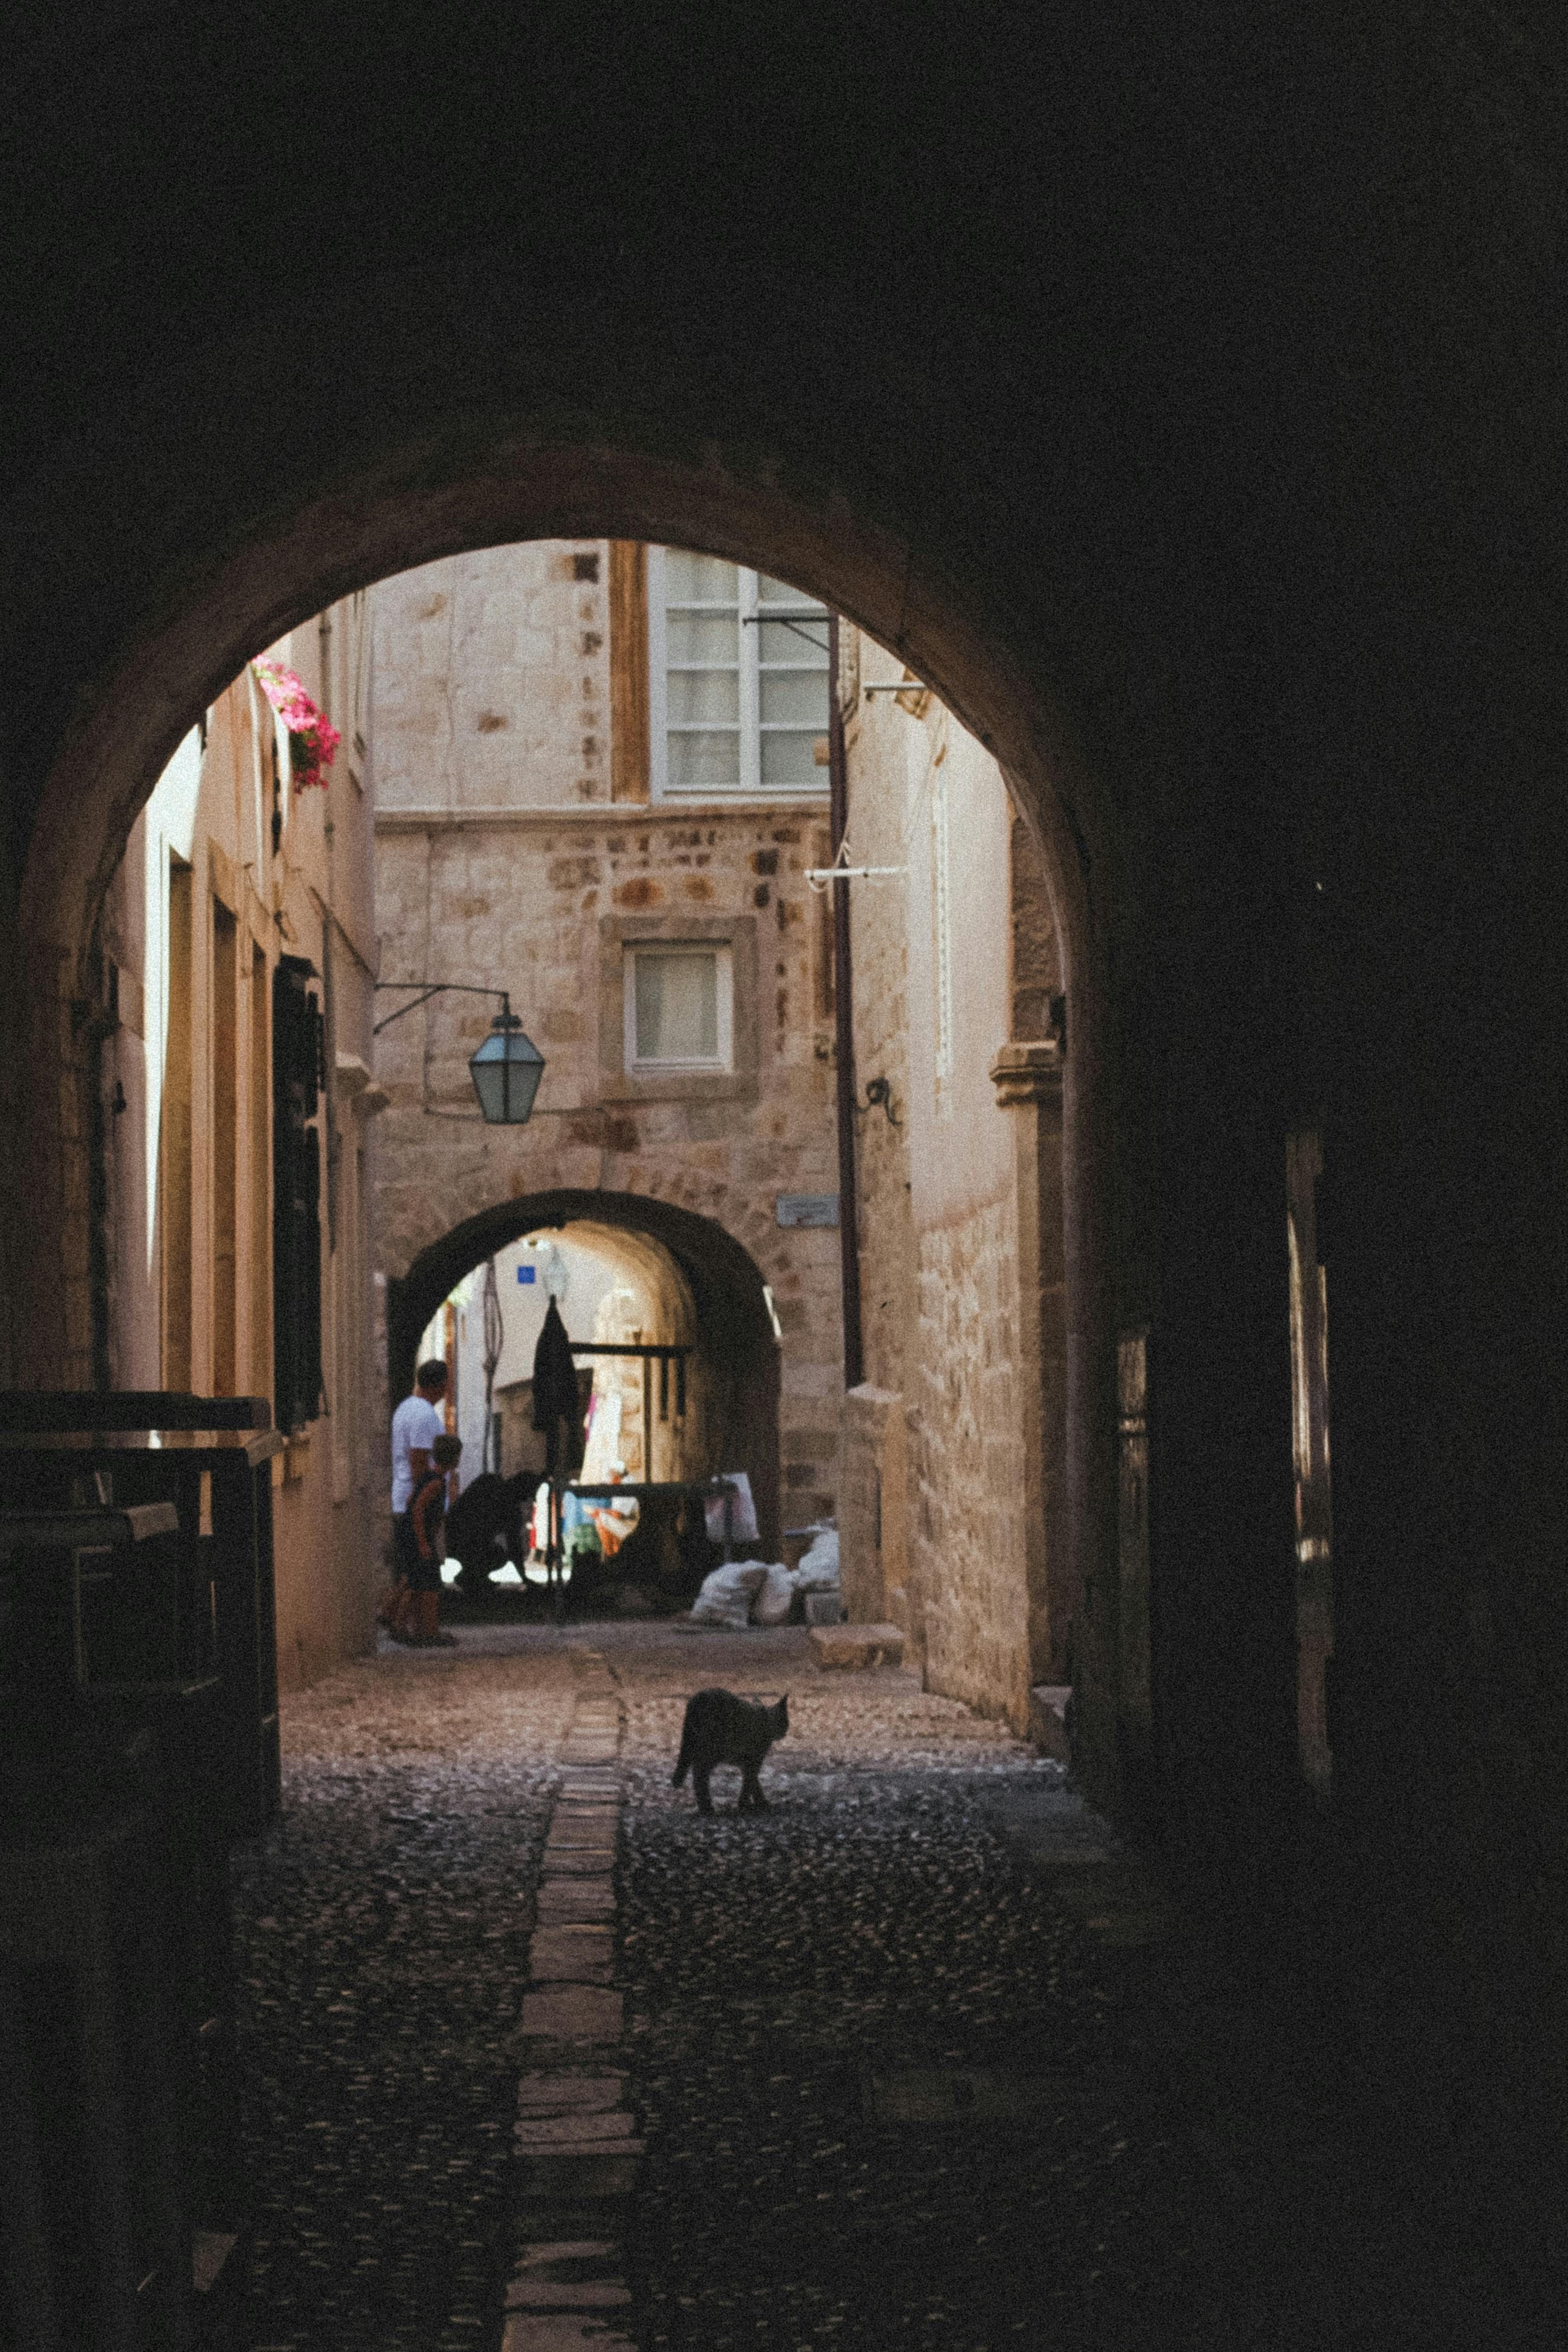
[(195, 918)]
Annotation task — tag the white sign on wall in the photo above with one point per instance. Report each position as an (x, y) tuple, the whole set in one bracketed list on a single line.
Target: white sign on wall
[(806, 1208)]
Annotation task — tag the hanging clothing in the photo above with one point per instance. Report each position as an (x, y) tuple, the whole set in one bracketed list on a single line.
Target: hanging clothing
[(557, 1405)]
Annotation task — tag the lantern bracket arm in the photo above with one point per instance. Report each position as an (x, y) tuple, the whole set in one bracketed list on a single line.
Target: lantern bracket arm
[(430, 988)]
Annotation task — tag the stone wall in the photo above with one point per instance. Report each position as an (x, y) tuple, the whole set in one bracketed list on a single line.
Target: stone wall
[(947, 961), (875, 745), (966, 1467), (492, 679), (546, 901), (194, 917), (872, 1512)]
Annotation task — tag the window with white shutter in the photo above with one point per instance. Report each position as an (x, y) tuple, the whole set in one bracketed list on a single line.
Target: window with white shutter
[(738, 681)]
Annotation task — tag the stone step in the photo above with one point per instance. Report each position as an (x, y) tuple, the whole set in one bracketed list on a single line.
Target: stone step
[(856, 1646)]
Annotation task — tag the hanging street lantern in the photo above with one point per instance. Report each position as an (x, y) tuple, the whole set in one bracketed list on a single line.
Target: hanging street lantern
[(506, 1071), (506, 1068)]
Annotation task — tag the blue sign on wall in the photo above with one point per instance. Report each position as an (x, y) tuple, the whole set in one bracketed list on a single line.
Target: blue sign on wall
[(527, 1273)]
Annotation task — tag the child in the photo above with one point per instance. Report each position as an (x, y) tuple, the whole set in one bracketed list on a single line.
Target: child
[(421, 1621)]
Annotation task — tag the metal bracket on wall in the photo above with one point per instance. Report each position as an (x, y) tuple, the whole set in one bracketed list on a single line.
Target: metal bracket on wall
[(879, 1097)]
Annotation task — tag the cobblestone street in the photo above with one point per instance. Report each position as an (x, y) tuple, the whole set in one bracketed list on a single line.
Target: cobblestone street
[(918, 2057)]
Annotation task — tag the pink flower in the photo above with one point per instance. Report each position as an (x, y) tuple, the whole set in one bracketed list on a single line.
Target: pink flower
[(312, 738)]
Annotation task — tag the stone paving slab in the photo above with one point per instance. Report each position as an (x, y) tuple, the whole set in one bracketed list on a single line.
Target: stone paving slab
[(574, 2012), (582, 2295), (576, 1898), (582, 1953), (544, 2220), (574, 2133), (556, 2332), (553, 2091), (565, 2253), (565, 2180), (539, 2133)]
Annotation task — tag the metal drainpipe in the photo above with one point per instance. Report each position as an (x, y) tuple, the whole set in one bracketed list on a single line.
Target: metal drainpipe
[(844, 1026), (333, 1135)]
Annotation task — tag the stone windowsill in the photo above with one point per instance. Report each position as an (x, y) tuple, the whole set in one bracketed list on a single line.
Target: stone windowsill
[(1026, 1070), (665, 812)]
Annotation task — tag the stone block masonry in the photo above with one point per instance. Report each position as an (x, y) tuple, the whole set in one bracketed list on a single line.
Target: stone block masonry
[(516, 847), (966, 1470), (853, 1648), (550, 904), (575, 2130), (873, 1511), (951, 1497)]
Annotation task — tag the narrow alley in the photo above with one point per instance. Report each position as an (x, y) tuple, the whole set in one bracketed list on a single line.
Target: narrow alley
[(784, 807), (536, 2056)]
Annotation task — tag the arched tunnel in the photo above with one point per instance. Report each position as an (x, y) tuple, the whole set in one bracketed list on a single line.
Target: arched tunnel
[(734, 1364), (1176, 396)]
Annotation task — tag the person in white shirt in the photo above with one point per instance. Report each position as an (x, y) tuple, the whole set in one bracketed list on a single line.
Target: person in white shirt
[(415, 1425)]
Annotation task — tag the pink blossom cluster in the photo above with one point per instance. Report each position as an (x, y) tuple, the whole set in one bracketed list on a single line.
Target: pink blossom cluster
[(312, 738)]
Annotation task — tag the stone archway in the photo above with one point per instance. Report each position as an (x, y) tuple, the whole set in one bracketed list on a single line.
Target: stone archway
[(518, 486), (740, 1352), (1215, 454)]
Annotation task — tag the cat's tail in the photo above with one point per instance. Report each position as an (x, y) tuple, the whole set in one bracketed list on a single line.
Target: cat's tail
[(683, 1759)]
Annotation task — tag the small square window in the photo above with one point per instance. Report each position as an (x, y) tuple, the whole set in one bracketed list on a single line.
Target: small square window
[(680, 1007)]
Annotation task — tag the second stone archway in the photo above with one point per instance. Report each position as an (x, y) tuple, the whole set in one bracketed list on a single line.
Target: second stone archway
[(735, 1339)]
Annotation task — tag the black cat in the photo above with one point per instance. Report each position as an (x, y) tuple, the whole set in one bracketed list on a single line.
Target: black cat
[(721, 1728)]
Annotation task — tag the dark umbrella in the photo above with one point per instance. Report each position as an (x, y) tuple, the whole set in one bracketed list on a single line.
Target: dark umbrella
[(556, 1400)]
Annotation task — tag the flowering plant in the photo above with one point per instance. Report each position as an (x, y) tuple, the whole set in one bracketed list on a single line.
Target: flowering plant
[(312, 738)]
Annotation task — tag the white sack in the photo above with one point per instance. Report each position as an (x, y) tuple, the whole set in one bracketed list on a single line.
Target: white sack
[(727, 1594), (775, 1595), (742, 1511), (818, 1569)]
